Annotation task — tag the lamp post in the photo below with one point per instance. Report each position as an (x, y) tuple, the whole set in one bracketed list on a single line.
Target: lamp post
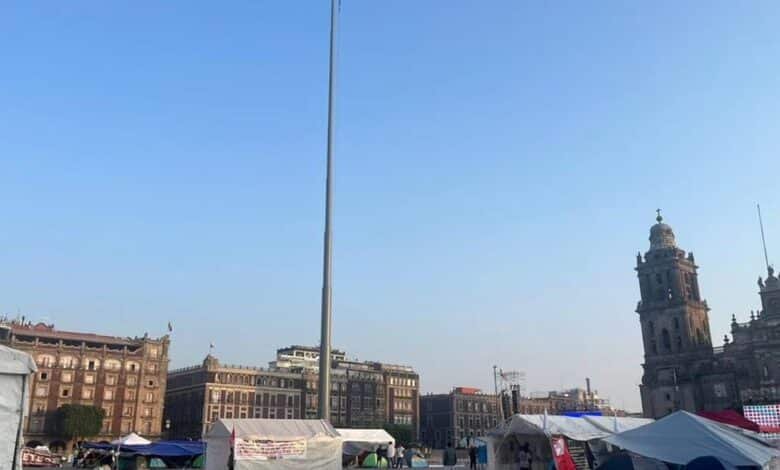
[(327, 264)]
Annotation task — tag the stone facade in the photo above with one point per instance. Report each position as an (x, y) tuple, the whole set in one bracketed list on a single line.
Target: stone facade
[(456, 416), (363, 394), (682, 370), (200, 395), (124, 376)]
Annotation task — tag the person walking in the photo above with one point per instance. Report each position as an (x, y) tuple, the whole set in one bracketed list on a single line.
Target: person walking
[(473, 457), (449, 458), (399, 456)]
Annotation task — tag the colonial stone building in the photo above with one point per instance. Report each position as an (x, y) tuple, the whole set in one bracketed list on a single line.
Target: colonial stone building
[(200, 395), (457, 416), (126, 377), (363, 394), (682, 370)]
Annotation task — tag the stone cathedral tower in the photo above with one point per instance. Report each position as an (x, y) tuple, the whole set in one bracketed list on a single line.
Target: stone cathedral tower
[(675, 325)]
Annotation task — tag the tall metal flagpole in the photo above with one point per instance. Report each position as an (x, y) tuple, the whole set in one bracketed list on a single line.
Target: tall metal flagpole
[(327, 265), (763, 239)]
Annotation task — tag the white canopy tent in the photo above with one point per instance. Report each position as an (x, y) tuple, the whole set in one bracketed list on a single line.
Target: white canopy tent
[(535, 430), (355, 441), (682, 437), (131, 439), (15, 368), (279, 444)]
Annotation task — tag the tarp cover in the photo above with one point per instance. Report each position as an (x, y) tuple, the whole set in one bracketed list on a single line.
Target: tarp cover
[(322, 443), (356, 441), (157, 449), (14, 366), (732, 418), (15, 362), (582, 428), (682, 437), (131, 439)]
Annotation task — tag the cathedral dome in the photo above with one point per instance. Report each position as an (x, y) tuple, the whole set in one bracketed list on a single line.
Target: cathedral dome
[(661, 235)]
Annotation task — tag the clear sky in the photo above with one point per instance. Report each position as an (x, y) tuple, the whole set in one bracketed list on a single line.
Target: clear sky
[(498, 167)]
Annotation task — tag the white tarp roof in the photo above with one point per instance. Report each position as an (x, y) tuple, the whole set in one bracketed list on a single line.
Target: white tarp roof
[(273, 429), (357, 440), (682, 437), (131, 439), (322, 448), (578, 428), (14, 367), (15, 362)]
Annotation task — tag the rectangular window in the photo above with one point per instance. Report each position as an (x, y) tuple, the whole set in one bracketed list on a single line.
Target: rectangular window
[(111, 379), (41, 391), (91, 365), (44, 376), (66, 377), (149, 397), (87, 393), (130, 395), (65, 392), (108, 394), (128, 411), (132, 380), (89, 379), (147, 412), (151, 367), (153, 352), (108, 410)]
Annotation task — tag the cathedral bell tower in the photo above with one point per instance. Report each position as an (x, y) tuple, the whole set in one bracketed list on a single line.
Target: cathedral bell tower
[(674, 320)]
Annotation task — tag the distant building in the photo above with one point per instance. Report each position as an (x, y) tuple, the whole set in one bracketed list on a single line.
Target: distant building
[(200, 395), (457, 416), (126, 377), (363, 394), (682, 370), (563, 401)]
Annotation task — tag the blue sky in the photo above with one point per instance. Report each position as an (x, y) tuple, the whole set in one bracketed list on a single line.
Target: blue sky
[(498, 168)]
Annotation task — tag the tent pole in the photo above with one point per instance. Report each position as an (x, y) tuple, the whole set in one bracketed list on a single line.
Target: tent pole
[(14, 465)]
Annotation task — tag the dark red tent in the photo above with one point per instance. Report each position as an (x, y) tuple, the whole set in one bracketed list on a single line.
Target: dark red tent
[(730, 417)]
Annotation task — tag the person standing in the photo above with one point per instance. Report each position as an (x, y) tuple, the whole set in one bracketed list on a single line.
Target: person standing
[(473, 457), (390, 455), (381, 454), (524, 457), (450, 458), (399, 456)]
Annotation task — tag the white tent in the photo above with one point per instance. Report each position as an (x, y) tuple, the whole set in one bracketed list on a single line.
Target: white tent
[(15, 368), (279, 444), (356, 441), (682, 437), (535, 430), (131, 439)]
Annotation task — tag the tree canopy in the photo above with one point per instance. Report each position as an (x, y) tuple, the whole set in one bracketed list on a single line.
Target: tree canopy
[(79, 421)]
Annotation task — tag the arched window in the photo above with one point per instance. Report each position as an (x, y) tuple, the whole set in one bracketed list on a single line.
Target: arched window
[(651, 328), (654, 347), (112, 364), (676, 323), (666, 340)]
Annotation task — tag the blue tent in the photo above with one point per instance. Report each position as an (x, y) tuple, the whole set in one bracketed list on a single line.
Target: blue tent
[(171, 449)]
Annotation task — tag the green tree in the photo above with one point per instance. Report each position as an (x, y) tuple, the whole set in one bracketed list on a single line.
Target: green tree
[(402, 433), (79, 422)]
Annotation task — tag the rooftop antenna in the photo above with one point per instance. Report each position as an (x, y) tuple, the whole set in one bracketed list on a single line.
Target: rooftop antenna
[(763, 238)]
